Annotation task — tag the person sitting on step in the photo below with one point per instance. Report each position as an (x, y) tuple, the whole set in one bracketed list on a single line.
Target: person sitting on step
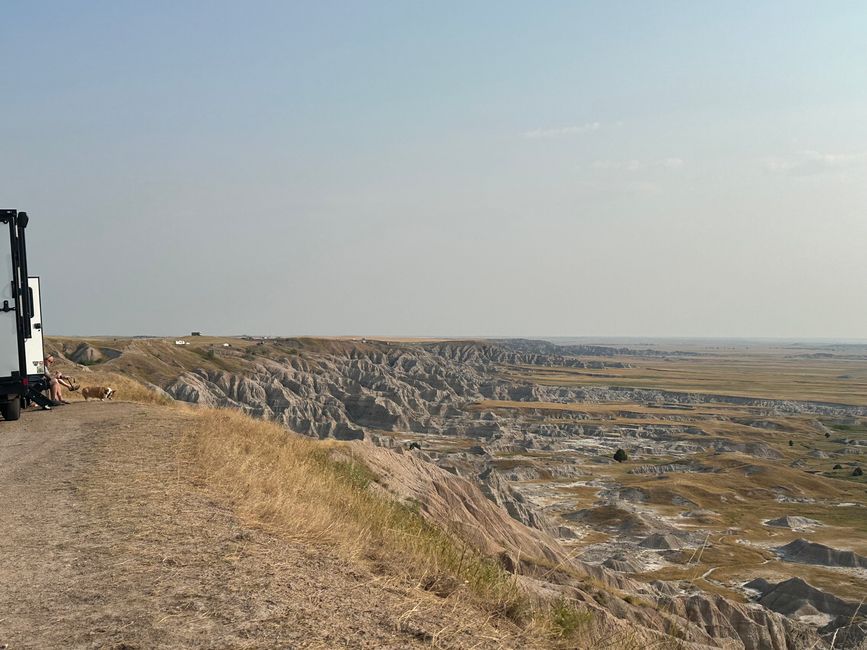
[(56, 380)]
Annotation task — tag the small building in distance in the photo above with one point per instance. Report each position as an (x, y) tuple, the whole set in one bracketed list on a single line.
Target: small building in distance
[(195, 333), (181, 342)]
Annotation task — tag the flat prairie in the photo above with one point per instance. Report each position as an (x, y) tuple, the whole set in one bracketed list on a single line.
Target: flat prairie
[(837, 380)]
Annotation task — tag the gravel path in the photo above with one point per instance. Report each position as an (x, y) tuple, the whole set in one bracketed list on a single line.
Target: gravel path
[(107, 541)]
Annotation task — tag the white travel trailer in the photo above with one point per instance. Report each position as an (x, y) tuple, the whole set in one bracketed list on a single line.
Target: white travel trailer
[(15, 315)]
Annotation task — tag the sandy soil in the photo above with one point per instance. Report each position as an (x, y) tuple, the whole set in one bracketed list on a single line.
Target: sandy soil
[(109, 540)]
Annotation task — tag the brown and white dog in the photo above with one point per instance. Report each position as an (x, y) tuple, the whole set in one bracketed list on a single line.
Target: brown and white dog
[(97, 392)]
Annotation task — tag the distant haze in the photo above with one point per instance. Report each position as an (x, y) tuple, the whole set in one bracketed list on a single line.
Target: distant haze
[(566, 169)]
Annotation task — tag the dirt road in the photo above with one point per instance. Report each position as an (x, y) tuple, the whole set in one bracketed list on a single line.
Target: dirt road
[(108, 541)]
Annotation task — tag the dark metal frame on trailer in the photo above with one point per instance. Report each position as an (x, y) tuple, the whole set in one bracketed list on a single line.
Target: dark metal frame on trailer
[(18, 383)]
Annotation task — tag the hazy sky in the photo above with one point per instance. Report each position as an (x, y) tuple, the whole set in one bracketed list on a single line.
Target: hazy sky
[(484, 168)]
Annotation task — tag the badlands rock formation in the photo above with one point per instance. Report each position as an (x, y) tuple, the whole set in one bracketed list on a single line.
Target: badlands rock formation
[(425, 389), (542, 565), (792, 522), (796, 597), (806, 552)]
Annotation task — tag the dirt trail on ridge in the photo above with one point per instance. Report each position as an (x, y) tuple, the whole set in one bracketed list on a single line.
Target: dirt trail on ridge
[(107, 541)]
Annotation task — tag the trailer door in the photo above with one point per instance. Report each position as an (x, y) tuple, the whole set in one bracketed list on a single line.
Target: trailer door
[(33, 345), (9, 360)]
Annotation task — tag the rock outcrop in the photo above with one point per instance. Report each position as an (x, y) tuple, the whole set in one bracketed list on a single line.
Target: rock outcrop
[(806, 552), (661, 542), (792, 522), (796, 597), (457, 505), (87, 354), (741, 626)]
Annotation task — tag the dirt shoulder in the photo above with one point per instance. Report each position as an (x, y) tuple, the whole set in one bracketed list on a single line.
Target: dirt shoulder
[(110, 540)]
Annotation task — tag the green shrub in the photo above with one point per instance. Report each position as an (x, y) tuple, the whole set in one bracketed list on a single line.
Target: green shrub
[(567, 619)]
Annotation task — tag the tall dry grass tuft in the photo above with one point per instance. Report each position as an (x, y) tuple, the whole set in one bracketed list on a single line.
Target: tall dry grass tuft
[(308, 490), (127, 389)]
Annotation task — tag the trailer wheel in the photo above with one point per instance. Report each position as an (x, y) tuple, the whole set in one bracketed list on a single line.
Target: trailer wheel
[(11, 410)]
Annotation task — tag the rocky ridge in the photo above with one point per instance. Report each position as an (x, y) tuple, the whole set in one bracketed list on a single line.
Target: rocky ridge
[(426, 389)]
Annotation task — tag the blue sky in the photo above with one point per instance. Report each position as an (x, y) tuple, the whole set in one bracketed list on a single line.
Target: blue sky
[(645, 169)]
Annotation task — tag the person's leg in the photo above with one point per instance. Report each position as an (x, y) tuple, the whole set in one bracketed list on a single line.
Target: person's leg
[(54, 391), (37, 397)]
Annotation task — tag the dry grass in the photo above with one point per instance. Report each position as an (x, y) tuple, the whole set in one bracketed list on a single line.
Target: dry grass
[(314, 492), (307, 490), (310, 491), (126, 389)]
